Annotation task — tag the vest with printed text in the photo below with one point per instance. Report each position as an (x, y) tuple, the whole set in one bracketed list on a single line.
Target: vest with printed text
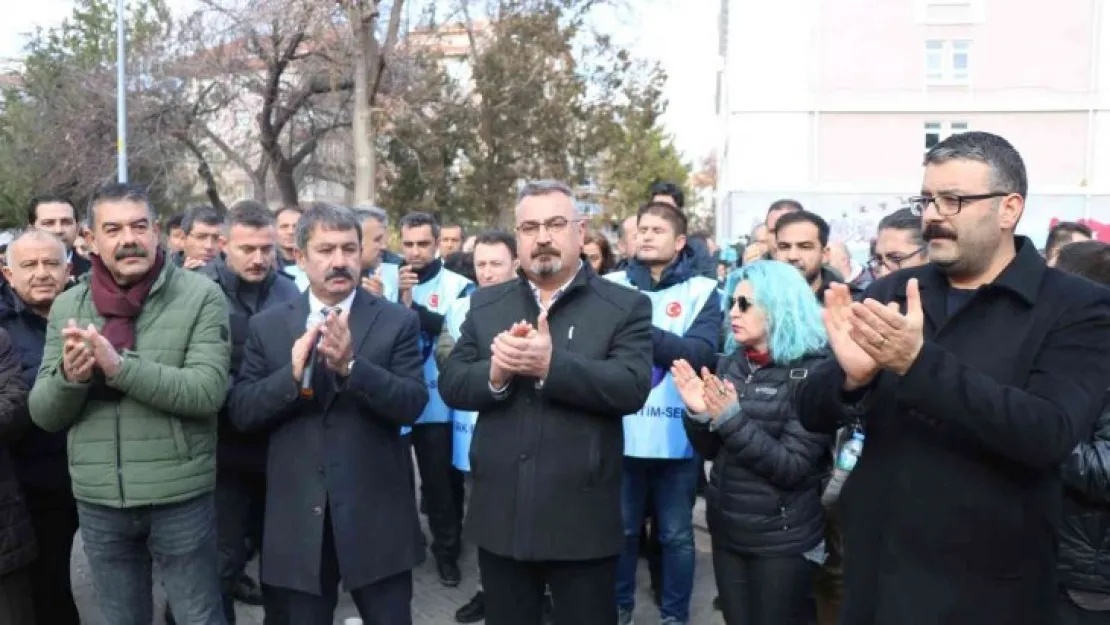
[(656, 430), (436, 295), (463, 420)]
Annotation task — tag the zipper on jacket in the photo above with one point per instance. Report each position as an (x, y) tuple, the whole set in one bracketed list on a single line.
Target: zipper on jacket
[(119, 456)]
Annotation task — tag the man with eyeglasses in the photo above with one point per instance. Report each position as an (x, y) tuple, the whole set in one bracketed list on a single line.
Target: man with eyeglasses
[(551, 361), (974, 376), (899, 244)]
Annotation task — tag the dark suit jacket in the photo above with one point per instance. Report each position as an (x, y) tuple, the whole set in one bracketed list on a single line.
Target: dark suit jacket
[(341, 451)]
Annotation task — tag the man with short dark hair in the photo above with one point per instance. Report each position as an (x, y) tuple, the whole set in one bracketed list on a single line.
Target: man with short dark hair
[(973, 376), (286, 219), (140, 403), (248, 276), (56, 214), (429, 288), (450, 239), (668, 193), (204, 236), (777, 209), (334, 375), (899, 244), (35, 274), (551, 392), (660, 467), (1061, 234), (174, 234), (802, 239)]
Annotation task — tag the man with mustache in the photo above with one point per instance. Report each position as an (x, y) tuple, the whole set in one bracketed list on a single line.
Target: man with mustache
[(250, 281), (660, 467), (973, 376), (551, 361), (139, 401), (35, 274), (334, 375), (428, 288)]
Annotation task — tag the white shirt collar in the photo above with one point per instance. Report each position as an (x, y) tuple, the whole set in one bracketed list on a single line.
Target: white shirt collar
[(315, 306), (558, 292)]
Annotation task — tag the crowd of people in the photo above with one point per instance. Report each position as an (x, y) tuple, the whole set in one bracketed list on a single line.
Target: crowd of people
[(921, 440)]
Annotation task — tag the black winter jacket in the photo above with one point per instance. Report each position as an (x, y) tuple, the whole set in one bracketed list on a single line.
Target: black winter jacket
[(17, 537), (546, 462), (39, 456), (237, 450), (1085, 526), (764, 494)]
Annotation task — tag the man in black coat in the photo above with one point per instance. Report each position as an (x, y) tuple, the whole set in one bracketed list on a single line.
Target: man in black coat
[(334, 389), (35, 274), (247, 275), (551, 393), (986, 376)]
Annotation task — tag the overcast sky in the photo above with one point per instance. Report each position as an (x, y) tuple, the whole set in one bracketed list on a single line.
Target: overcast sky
[(681, 34)]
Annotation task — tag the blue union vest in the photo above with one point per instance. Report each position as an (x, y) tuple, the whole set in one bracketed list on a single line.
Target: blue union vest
[(464, 420), (656, 431), (436, 295)]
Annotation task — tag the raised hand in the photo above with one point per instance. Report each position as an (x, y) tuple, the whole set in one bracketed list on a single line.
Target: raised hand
[(406, 281), (373, 284), (302, 347), (335, 342), (690, 387), (859, 367), (107, 358), (77, 357), (891, 339), (719, 394)]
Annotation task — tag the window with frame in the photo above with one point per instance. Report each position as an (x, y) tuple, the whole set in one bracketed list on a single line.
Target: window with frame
[(949, 11), (935, 131), (948, 61)]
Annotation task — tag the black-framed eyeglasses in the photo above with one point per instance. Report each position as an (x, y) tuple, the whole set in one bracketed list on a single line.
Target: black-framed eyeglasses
[(948, 204), (555, 225), (893, 261), (741, 302)]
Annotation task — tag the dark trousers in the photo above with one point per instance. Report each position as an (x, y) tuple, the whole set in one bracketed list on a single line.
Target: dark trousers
[(583, 593), (16, 605), (441, 486), (240, 508), (122, 545), (385, 602), (1070, 614), (764, 590), (54, 518)]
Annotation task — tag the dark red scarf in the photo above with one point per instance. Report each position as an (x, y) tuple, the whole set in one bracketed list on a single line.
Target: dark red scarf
[(759, 359), (121, 305)]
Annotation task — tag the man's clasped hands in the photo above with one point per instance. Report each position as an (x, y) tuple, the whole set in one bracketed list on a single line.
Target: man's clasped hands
[(521, 350)]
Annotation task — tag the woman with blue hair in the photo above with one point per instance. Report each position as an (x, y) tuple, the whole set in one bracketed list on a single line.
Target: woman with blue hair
[(763, 501)]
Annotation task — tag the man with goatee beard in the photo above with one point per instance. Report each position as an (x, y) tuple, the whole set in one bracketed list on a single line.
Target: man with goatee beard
[(973, 377), (551, 361)]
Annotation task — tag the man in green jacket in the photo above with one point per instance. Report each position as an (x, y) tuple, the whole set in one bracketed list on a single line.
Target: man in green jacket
[(135, 369)]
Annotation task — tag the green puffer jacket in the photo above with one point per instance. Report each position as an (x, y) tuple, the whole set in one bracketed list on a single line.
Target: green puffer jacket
[(155, 444)]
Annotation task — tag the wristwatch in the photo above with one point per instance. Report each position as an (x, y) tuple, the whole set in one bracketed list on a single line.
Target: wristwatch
[(350, 366)]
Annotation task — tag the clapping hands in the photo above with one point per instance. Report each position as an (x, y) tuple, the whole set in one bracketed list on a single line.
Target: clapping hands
[(706, 394)]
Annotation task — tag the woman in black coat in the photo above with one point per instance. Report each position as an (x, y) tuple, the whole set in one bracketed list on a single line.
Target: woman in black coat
[(1084, 564), (763, 500)]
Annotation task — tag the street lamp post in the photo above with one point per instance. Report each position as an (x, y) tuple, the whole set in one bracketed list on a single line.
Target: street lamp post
[(121, 94)]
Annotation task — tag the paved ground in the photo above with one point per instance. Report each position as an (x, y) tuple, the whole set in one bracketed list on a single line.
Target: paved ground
[(435, 605)]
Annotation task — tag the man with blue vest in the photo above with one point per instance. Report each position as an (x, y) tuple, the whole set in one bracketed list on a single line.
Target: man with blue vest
[(495, 262), (660, 467), (427, 287)]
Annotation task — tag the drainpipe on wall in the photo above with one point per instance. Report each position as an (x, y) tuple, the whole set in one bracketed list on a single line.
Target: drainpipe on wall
[(1092, 96)]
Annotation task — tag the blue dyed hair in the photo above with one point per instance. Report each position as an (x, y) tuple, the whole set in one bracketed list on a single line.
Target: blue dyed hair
[(794, 326)]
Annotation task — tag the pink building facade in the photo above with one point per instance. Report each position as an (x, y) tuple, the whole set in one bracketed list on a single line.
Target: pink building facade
[(834, 103)]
